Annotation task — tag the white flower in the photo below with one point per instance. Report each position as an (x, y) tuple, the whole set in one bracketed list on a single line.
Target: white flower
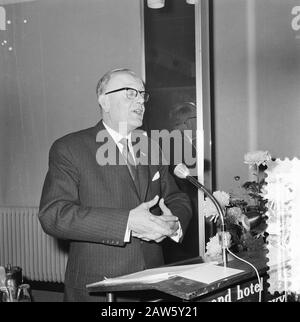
[(209, 209), (222, 197), (213, 247), (257, 158)]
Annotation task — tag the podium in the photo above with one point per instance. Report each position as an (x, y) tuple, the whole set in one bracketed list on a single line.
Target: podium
[(242, 287)]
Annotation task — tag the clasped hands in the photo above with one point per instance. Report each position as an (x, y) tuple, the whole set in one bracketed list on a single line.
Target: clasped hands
[(147, 226)]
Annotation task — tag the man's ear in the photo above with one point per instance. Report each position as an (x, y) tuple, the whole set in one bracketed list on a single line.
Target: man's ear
[(104, 102)]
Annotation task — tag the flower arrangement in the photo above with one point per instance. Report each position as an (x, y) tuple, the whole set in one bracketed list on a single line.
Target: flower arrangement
[(244, 210), (258, 163)]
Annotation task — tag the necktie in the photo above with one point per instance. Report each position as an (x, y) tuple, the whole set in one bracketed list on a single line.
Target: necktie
[(130, 161)]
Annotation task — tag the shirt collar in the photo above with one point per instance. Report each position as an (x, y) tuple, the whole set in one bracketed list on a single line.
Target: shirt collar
[(116, 135)]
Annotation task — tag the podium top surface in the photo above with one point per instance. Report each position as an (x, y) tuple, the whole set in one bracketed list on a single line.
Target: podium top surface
[(188, 289)]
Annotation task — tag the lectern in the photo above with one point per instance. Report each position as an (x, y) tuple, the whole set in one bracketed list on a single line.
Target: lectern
[(242, 287)]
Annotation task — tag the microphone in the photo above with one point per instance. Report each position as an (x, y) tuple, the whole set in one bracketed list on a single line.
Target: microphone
[(182, 172)]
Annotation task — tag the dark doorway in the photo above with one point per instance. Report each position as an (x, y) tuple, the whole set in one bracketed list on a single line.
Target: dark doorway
[(171, 81)]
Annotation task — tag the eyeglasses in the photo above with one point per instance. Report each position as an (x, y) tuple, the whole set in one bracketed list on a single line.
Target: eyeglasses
[(131, 93)]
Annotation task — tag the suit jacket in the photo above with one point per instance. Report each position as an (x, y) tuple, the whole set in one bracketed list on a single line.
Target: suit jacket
[(88, 204)]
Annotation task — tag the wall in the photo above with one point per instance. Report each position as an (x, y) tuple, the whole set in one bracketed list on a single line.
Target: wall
[(257, 77), (51, 57)]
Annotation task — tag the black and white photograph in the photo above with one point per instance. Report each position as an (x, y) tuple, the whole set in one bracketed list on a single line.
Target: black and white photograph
[(149, 154)]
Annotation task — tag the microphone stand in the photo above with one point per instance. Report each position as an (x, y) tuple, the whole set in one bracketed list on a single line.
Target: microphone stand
[(221, 214)]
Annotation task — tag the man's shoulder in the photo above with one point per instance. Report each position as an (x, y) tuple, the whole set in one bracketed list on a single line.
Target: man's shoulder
[(76, 138)]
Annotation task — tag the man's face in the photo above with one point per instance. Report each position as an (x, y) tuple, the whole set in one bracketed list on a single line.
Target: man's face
[(119, 110)]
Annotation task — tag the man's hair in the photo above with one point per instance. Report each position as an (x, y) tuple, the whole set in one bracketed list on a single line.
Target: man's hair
[(101, 85), (181, 112)]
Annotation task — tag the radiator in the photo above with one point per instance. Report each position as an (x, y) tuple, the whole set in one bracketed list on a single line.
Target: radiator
[(23, 243)]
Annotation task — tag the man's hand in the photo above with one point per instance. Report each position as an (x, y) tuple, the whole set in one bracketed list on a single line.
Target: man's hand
[(168, 217), (146, 226)]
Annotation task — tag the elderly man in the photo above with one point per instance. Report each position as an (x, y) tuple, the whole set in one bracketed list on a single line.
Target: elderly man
[(115, 214)]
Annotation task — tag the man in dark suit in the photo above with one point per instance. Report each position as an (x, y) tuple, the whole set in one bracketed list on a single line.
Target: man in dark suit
[(115, 212)]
